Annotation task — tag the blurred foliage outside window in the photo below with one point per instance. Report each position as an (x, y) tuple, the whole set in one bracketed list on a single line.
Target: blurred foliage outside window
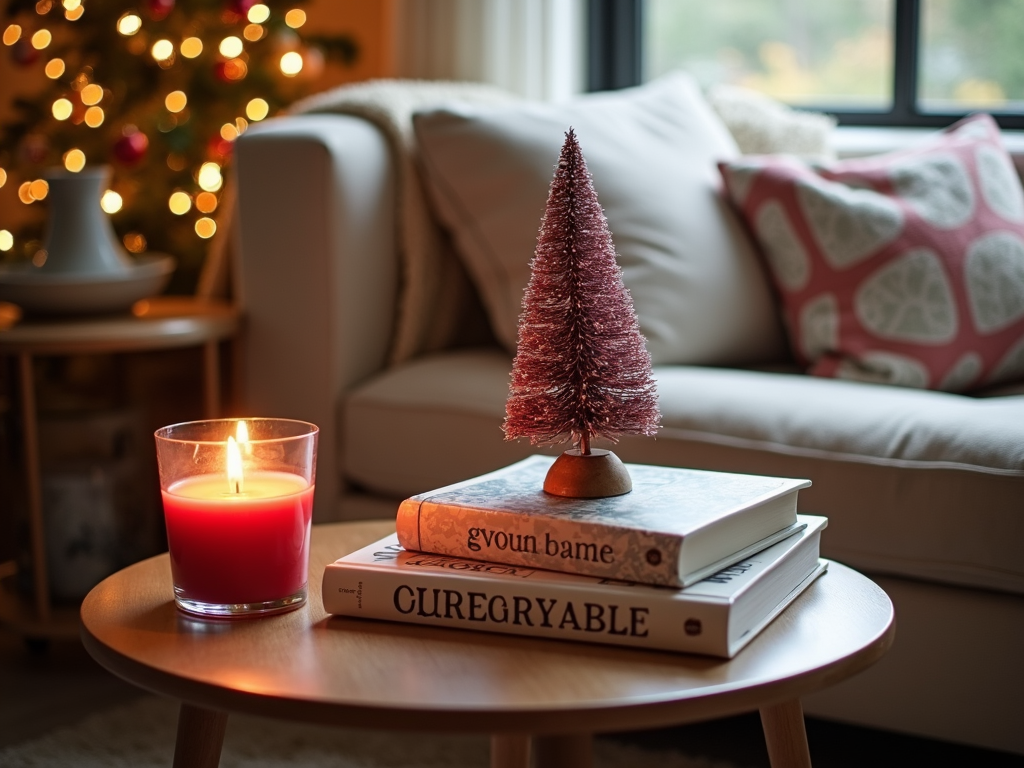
[(839, 54), (971, 55)]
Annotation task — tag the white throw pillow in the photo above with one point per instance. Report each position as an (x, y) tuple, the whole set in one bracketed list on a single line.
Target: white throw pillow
[(761, 125), (699, 291)]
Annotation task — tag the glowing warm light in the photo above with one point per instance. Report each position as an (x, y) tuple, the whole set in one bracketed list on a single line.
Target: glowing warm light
[(12, 34), (72, 5), (257, 109), (41, 39), (228, 132), (162, 50), (43, 7), (62, 109), (39, 258), (23, 193), (179, 203), (74, 160), (111, 202), (54, 68), (258, 13), (235, 69), (209, 177), (129, 24), (191, 47), (175, 101), (134, 242), (76, 14), (291, 64), (206, 227), (206, 202), (92, 94), (234, 462), (38, 189), (253, 32), (295, 18), (230, 47), (241, 124), (94, 117), (3, 177), (6, 240)]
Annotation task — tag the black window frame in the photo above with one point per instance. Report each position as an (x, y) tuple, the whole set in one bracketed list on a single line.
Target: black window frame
[(615, 60)]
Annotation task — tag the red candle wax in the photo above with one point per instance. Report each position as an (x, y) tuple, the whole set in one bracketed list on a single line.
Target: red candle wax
[(230, 547)]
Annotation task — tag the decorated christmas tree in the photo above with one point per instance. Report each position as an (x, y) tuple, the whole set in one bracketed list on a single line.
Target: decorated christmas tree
[(160, 92), (582, 370)]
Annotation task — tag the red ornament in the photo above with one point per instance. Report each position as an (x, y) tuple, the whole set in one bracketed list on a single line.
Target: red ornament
[(131, 147), (240, 7), (23, 53), (219, 147), (582, 369), (160, 9), (34, 148)]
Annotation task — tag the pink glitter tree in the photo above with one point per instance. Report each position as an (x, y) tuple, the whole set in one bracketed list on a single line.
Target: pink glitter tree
[(582, 370)]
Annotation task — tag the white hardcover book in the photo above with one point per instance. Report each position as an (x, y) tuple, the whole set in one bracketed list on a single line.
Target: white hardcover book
[(674, 528), (716, 616)]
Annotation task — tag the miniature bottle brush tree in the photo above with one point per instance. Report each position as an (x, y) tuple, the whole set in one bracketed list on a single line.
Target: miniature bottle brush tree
[(582, 370)]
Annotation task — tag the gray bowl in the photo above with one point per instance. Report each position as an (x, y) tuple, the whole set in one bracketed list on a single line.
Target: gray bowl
[(67, 293)]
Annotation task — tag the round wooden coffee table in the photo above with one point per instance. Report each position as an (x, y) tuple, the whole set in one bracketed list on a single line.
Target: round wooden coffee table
[(544, 696)]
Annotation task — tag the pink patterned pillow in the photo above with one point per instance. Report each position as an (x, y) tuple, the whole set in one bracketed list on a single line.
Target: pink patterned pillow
[(906, 268)]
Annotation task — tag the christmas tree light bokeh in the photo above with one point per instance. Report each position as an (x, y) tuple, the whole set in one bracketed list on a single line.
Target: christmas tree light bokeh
[(160, 92)]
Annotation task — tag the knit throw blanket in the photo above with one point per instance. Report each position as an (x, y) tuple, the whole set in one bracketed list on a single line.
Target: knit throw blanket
[(434, 287)]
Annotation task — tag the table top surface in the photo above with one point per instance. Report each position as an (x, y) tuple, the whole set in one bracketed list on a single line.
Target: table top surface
[(159, 323), (308, 666)]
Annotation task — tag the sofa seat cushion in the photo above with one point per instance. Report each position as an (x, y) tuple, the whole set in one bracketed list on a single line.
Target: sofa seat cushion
[(915, 483)]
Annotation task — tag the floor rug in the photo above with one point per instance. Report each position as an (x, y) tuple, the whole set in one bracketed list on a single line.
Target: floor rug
[(141, 735)]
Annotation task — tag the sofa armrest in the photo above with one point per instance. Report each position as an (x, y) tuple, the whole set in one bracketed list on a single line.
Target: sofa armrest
[(317, 270)]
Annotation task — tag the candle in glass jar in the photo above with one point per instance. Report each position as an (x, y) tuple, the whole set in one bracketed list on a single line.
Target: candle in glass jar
[(239, 547), (238, 528)]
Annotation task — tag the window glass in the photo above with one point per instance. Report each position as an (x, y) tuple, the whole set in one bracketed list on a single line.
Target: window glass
[(827, 53), (971, 55)]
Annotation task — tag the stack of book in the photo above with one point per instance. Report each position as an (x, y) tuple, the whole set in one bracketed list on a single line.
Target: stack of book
[(688, 561)]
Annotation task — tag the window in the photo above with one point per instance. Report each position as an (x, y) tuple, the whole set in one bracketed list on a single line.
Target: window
[(869, 62)]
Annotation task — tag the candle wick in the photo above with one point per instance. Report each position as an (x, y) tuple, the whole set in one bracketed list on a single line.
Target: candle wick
[(237, 490)]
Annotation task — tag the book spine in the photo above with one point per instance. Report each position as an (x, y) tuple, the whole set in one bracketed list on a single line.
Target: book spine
[(511, 606), (553, 544)]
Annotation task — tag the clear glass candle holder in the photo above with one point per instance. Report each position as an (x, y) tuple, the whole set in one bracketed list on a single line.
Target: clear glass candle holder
[(238, 504)]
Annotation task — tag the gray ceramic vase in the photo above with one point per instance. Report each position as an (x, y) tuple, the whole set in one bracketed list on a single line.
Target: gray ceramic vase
[(80, 239), (85, 270)]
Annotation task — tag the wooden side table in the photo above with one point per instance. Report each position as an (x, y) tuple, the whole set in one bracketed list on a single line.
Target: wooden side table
[(160, 323), (531, 694)]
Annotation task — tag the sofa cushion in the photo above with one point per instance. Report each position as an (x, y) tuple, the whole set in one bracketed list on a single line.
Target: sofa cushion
[(905, 268), (652, 153), (915, 483), (763, 126)]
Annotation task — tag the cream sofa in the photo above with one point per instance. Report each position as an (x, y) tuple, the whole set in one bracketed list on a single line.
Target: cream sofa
[(924, 490)]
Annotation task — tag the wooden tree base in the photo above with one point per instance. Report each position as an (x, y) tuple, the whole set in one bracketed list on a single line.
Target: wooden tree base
[(588, 476)]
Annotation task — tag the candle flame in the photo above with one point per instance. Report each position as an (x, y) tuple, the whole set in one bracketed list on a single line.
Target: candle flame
[(234, 464), (242, 436)]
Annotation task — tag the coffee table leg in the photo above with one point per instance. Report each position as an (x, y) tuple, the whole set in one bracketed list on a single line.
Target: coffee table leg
[(510, 751), (563, 751), (200, 737), (785, 735)]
